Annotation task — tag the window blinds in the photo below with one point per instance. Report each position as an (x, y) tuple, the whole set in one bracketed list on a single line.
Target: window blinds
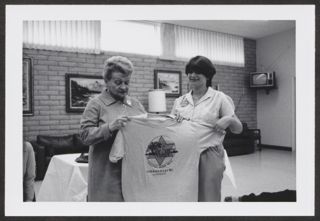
[(223, 49), (74, 36)]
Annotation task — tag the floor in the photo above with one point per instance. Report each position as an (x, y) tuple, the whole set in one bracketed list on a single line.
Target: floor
[(266, 170)]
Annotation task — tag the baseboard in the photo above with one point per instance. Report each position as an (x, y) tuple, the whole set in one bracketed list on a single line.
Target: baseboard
[(274, 147)]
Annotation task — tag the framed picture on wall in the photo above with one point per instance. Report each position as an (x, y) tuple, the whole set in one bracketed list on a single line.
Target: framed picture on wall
[(27, 90), (168, 80), (80, 89)]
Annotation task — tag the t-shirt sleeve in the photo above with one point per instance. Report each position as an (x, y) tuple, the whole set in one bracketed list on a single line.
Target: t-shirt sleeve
[(173, 110), (227, 106), (208, 137), (117, 150), (139, 106)]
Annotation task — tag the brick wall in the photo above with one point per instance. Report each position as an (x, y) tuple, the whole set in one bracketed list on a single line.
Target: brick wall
[(49, 69)]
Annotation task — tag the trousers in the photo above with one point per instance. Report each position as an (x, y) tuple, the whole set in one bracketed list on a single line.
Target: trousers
[(211, 168)]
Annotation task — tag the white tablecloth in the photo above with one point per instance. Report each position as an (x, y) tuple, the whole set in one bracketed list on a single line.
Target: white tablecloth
[(65, 180)]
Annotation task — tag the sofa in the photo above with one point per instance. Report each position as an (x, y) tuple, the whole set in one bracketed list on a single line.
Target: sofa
[(47, 146), (243, 143)]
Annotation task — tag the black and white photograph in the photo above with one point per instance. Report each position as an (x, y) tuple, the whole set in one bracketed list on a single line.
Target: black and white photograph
[(80, 89), (169, 81), (232, 137)]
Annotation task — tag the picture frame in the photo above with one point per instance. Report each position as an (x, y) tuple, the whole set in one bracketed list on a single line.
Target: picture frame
[(27, 87), (80, 89), (168, 80)]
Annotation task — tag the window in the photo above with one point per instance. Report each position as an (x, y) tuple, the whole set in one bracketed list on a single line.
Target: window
[(75, 36), (138, 37), (131, 37), (221, 48)]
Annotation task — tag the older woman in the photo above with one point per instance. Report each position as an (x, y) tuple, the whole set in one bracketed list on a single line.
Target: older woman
[(103, 116), (213, 107)]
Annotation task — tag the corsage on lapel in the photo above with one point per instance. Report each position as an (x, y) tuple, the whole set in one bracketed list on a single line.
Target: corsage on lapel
[(184, 102), (128, 101)]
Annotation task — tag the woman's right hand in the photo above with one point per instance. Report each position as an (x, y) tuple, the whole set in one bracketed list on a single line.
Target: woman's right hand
[(118, 123), (179, 118)]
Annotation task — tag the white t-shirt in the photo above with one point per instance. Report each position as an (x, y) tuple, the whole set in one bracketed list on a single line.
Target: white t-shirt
[(161, 157)]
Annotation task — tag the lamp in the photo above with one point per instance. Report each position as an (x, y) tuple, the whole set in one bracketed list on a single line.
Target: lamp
[(157, 101)]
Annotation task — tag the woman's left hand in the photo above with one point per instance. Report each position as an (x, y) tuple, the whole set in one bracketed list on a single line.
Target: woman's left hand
[(222, 123)]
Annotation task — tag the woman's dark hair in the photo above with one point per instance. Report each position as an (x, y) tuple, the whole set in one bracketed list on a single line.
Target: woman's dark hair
[(201, 65)]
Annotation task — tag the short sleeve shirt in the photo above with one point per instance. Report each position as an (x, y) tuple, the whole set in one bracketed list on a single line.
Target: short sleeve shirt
[(212, 106)]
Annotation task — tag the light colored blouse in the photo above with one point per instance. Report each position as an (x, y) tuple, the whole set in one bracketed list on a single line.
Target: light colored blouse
[(210, 108)]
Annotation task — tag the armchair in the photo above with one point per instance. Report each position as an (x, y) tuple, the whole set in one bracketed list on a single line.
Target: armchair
[(243, 143)]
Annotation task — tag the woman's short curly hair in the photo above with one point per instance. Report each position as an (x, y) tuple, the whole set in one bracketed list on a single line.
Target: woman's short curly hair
[(116, 64), (201, 65)]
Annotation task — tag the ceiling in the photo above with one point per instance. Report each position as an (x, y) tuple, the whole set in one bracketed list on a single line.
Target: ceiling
[(249, 29)]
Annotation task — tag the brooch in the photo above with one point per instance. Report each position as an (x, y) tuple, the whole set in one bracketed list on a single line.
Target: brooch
[(128, 101), (184, 102)]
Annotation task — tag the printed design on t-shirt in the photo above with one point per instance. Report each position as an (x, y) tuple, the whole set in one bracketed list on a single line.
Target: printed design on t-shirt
[(160, 151)]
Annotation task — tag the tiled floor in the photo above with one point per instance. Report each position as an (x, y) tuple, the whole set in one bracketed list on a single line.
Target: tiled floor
[(266, 170)]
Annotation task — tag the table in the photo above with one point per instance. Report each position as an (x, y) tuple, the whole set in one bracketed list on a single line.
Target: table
[(65, 180)]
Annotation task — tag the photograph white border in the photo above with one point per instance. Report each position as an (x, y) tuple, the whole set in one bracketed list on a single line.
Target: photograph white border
[(304, 15)]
